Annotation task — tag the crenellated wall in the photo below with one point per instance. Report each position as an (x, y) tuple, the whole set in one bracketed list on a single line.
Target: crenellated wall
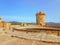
[(4, 25)]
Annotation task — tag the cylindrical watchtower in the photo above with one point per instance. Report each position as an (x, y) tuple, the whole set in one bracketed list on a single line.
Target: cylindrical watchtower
[(0, 19), (40, 19)]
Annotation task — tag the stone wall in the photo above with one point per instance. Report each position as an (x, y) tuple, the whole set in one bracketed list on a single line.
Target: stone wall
[(7, 25)]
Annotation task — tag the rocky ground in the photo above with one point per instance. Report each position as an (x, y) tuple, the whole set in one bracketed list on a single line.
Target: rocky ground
[(7, 39)]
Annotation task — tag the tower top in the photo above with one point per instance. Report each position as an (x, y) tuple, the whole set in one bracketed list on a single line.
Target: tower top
[(40, 13)]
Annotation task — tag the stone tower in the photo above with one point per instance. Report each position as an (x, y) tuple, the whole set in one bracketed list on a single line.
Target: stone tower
[(0, 19), (1, 25), (40, 19)]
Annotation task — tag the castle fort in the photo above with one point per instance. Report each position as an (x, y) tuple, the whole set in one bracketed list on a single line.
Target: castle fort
[(26, 34)]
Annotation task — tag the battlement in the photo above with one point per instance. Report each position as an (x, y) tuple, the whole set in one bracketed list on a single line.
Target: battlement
[(4, 25)]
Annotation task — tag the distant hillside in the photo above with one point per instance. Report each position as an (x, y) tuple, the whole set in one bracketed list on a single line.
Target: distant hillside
[(18, 23), (48, 23), (53, 24)]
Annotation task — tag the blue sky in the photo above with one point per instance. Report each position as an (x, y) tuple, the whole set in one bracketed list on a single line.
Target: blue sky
[(25, 10)]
